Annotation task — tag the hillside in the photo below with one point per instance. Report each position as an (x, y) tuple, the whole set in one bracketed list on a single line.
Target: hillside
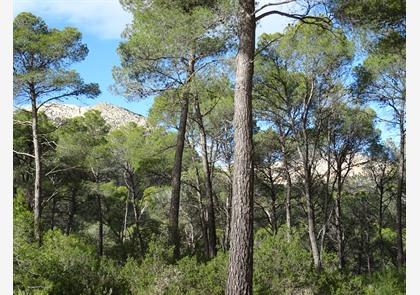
[(114, 115)]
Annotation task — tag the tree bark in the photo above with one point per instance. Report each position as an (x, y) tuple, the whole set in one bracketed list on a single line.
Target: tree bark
[(380, 221), (202, 213), (72, 209), (339, 230), (173, 229), (54, 206), (273, 203), (241, 242), (400, 192), (101, 226), (311, 221), (288, 187), (38, 167), (207, 182)]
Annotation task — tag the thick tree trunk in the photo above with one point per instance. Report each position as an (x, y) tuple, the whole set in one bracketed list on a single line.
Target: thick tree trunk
[(239, 280), (38, 167), (400, 192), (207, 181), (173, 229)]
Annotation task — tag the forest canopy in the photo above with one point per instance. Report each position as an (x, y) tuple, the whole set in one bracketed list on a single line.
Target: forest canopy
[(262, 167)]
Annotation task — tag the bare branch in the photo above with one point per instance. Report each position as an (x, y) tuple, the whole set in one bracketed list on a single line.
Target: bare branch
[(273, 4), (24, 154)]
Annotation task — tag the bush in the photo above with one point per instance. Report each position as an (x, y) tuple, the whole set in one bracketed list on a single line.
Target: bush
[(155, 275), (282, 267), (64, 265), (390, 281)]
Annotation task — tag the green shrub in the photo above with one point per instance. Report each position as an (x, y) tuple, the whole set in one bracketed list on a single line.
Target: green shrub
[(64, 265), (390, 281), (156, 275), (282, 267)]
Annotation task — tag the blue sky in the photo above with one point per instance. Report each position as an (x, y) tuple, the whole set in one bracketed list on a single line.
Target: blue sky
[(101, 23)]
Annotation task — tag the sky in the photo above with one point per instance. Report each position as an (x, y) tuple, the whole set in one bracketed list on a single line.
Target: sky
[(101, 23)]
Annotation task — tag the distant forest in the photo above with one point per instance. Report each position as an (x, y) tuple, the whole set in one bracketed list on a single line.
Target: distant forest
[(260, 169)]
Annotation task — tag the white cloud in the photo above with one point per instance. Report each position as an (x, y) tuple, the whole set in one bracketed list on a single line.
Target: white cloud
[(104, 18), (107, 19)]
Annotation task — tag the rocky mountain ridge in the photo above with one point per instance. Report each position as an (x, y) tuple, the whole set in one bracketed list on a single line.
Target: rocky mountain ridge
[(114, 115)]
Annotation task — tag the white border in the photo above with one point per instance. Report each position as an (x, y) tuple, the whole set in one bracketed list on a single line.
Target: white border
[(6, 142)]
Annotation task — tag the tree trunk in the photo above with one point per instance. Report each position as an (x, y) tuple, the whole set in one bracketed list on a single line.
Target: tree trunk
[(241, 242), (38, 167), (400, 192), (101, 226), (202, 213), (127, 202), (54, 206), (207, 181), (72, 209), (380, 221), (288, 188), (311, 223), (173, 229), (228, 212), (273, 204), (339, 233)]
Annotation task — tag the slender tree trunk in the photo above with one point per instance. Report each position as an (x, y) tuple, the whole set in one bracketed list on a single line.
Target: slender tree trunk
[(273, 204), (380, 221), (127, 202), (207, 181), (400, 192), (54, 206), (134, 196), (338, 223), (202, 213), (288, 188), (239, 280), (38, 167), (173, 229), (328, 193), (228, 216), (101, 226), (72, 209), (311, 222)]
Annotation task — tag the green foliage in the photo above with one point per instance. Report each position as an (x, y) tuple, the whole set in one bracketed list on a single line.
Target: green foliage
[(162, 39), (155, 275), (387, 282), (373, 14), (41, 57), (281, 267), (64, 265)]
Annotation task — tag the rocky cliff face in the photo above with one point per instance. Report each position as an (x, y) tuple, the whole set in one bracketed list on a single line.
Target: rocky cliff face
[(115, 116)]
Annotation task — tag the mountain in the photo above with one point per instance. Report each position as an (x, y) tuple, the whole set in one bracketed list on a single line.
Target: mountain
[(114, 115)]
